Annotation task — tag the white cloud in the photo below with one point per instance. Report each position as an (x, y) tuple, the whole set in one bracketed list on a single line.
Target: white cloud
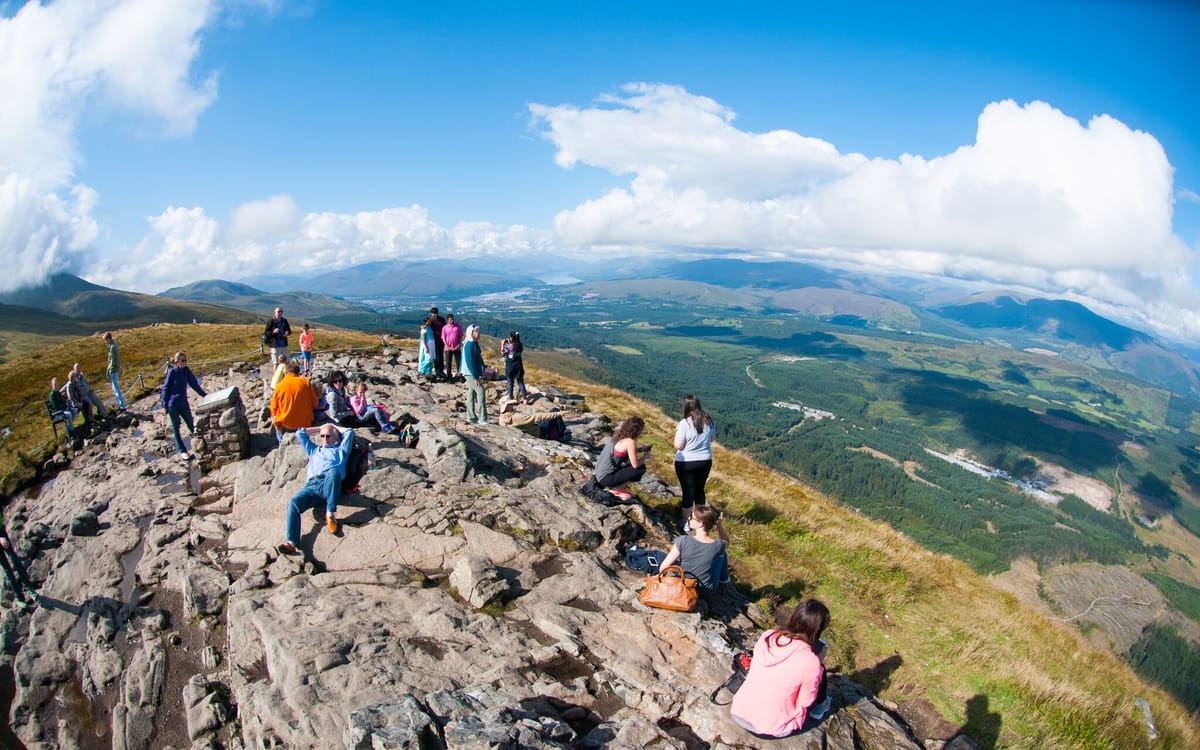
[(56, 60), (265, 218), (269, 235), (1038, 198)]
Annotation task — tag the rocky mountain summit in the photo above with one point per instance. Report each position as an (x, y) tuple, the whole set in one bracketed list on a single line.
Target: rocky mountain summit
[(472, 598)]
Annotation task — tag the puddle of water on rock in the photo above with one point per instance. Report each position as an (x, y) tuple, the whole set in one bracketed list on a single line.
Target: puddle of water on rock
[(88, 718), (582, 603), (551, 567)]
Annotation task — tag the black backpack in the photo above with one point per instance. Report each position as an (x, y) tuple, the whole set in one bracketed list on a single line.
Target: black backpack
[(740, 664), (357, 464), (598, 493), (553, 429)]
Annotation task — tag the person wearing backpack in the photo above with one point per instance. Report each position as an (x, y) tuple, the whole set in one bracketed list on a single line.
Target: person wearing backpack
[(326, 470), (785, 685)]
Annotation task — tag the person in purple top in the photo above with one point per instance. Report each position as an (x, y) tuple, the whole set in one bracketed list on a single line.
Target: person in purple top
[(175, 400)]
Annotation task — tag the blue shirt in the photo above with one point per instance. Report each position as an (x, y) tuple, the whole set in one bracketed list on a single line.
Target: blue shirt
[(322, 458)]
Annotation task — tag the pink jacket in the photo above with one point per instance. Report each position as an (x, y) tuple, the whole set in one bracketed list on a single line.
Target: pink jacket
[(780, 687)]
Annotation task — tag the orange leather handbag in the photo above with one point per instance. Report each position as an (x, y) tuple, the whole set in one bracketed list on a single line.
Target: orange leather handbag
[(670, 589)]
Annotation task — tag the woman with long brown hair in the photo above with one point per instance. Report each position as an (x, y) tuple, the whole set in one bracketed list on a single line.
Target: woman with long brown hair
[(786, 682), (622, 460), (693, 456)]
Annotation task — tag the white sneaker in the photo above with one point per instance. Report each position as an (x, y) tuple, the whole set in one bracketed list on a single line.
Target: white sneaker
[(483, 421)]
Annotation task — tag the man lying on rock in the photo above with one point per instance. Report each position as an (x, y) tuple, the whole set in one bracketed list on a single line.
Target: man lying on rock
[(529, 423), (326, 469)]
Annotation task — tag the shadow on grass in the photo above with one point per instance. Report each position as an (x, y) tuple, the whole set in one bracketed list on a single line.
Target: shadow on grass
[(982, 725), (877, 678)]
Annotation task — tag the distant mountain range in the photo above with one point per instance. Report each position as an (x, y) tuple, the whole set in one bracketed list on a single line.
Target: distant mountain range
[(64, 298), (297, 306), (902, 304)]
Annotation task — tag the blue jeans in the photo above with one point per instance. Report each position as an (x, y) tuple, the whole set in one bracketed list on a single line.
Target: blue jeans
[(115, 379), (181, 410), (323, 488)]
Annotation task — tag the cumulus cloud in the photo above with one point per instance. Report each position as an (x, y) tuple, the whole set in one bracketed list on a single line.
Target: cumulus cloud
[(56, 60), (271, 234), (264, 218), (1039, 198)]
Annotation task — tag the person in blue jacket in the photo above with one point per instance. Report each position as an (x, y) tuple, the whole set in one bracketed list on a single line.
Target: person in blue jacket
[(175, 399), (326, 469)]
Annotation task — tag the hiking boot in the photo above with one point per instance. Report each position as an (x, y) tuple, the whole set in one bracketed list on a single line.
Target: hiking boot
[(288, 548), (331, 524)]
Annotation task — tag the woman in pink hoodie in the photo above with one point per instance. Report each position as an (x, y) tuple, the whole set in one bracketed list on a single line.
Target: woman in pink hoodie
[(786, 675)]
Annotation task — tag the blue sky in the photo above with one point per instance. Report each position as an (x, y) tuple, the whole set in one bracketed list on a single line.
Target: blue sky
[(169, 141)]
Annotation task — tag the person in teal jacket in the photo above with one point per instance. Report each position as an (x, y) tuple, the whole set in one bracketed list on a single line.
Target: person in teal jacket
[(472, 366)]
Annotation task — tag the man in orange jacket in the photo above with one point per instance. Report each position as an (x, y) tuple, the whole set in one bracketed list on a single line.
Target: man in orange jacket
[(293, 402)]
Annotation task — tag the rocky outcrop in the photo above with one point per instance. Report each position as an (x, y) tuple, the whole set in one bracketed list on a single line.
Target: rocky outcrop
[(472, 598)]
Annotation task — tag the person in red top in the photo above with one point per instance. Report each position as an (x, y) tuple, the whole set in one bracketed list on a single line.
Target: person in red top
[(786, 681), (452, 339)]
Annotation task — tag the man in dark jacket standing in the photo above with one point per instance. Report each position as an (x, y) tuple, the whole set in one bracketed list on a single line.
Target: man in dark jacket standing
[(436, 323), (276, 335)]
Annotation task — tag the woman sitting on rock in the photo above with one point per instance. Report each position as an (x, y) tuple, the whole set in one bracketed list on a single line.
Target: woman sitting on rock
[(369, 414), (786, 682), (701, 556), (622, 459)]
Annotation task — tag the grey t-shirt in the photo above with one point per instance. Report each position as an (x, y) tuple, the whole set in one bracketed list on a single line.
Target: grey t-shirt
[(697, 558)]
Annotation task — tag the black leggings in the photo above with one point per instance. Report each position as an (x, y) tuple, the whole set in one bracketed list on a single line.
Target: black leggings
[(623, 475), (692, 477)]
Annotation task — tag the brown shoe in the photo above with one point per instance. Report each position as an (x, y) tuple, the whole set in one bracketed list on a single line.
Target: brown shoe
[(331, 524), (288, 548)]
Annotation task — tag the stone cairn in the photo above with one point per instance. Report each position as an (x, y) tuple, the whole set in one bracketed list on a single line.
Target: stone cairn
[(222, 430)]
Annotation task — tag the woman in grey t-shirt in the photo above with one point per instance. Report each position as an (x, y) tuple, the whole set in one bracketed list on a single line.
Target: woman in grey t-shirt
[(701, 556)]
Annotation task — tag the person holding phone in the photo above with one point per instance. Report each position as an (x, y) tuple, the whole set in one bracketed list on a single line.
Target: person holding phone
[(621, 459)]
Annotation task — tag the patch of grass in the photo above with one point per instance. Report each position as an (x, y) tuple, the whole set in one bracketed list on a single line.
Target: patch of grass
[(25, 381), (914, 622)]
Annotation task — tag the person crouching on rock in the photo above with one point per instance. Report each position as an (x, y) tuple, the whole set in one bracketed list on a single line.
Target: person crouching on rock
[(786, 682), (326, 469), (622, 460)]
